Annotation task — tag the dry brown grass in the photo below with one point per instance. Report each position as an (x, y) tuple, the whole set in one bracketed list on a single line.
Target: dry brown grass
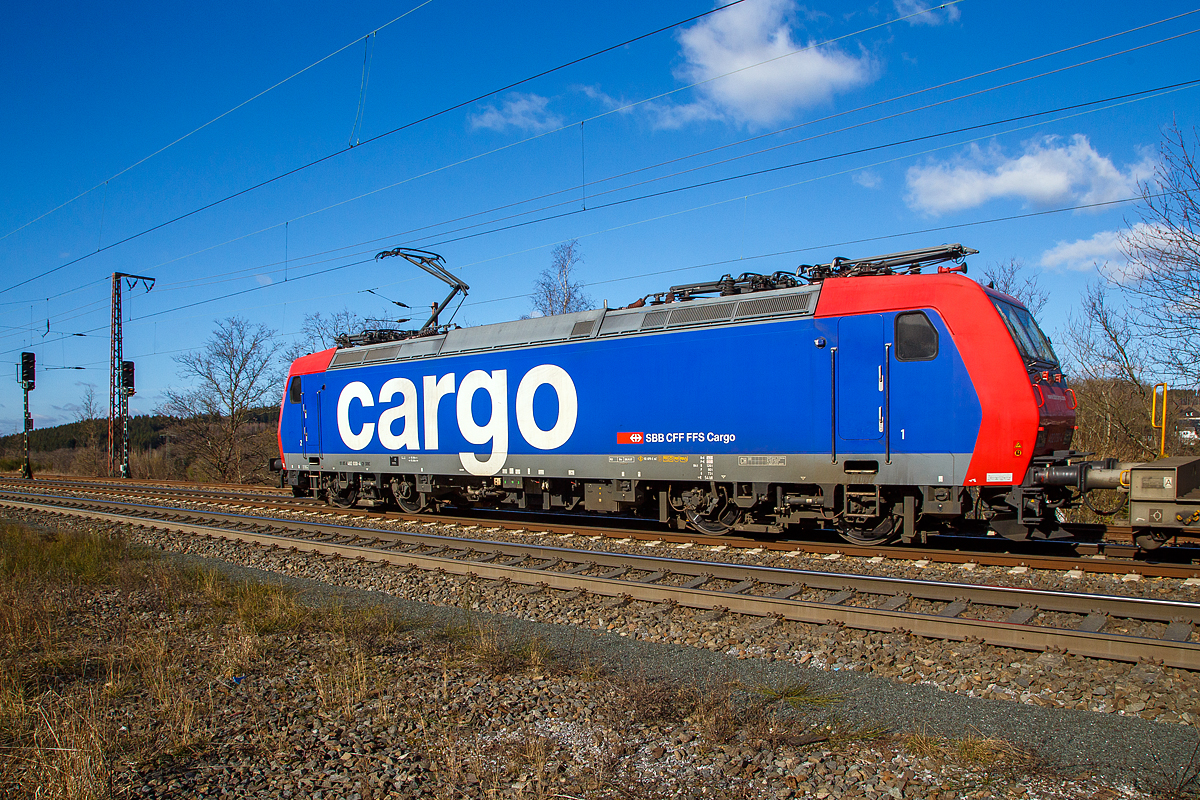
[(653, 700), (51, 742), (798, 695), (492, 649), (972, 750), (346, 681), (91, 629)]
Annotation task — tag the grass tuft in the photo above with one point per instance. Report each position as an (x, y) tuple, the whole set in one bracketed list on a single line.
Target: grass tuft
[(973, 750), (798, 695), (655, 700)]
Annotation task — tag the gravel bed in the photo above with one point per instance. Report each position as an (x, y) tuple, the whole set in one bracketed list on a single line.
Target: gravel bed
[(892, 681), (1055, 680), (1129, 584)]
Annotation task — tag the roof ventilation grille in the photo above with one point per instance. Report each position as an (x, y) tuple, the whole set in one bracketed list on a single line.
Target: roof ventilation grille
[(779, 304), (655, 319), (583, 328)]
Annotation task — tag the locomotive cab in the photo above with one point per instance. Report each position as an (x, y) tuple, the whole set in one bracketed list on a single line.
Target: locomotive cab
[(1055, 399)]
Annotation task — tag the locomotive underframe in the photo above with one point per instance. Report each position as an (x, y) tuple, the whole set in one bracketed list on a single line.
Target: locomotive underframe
[(861, 512)]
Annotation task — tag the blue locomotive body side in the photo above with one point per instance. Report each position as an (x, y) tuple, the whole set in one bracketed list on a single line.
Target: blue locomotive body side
[(809, 386)]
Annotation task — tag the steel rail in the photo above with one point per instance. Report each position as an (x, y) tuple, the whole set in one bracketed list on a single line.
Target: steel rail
[(162, 483), (183, 489), (1093, 557), (563, 568)]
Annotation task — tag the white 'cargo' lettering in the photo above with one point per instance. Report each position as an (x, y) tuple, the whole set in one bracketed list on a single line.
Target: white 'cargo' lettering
[(435, 390), (407, 410), (568, 406), (496, 429), (354, 391)]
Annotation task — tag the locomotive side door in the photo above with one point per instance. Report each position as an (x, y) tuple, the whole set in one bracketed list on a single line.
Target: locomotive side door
[(310, 417), (861, 376)]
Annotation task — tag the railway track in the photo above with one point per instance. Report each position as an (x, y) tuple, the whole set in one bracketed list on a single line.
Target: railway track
[(1100, 626), (1095, 557)]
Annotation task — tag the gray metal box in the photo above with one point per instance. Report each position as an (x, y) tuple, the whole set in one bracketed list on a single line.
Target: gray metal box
[(1165, 479), (1165, 492)]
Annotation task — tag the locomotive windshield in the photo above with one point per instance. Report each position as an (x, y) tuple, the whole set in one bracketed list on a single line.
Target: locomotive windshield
[(1033, 344)]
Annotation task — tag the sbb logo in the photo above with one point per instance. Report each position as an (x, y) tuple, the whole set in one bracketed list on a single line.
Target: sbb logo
[(630, 438)]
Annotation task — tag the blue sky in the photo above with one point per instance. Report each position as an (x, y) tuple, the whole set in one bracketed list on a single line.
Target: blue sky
[(759, 137)]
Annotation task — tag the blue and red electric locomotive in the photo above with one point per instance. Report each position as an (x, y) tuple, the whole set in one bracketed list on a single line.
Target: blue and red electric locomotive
[(859, 396)]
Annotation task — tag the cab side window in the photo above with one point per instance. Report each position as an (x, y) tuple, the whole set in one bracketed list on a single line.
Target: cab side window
[(295, 389), (916, 338)]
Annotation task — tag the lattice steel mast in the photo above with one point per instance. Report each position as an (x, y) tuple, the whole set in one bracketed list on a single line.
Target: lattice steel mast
[(118, 397)]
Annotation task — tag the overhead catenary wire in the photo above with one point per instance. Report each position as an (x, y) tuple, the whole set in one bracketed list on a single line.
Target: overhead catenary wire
[(715, 181), (484, 96), (721, 262), (368, 41), (814, 160), (288, 264), (719, 147), (1127, 98), (685, 187), (758, 152), (215, 119), (848, 242), (709, 205), (339, 152)]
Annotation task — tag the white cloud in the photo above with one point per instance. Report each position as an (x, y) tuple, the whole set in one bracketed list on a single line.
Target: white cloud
[(605, 99), (747, 35), (1083, 254), (934, 17), (525, 112), (1049, 171), (866, 178), (668, 116), (1106, 250)]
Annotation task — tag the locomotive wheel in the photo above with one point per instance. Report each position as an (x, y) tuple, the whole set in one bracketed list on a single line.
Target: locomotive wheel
[(719, 525), (879, 531), (299, 491), (343, 499), (1007, 526), (407, 497), (409, 505), (1147, 540)]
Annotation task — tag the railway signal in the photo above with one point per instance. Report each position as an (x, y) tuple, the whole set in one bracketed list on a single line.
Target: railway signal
[(28, 371), (127, 377)]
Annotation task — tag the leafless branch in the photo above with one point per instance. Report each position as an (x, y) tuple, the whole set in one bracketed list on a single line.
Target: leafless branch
[(556, 291), (1008, 277)]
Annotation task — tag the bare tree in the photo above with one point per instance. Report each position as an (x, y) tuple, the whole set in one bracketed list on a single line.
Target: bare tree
[(1112, 380), (89, 460), (1008, 277), (1162, 284), (556, 291), (320, 332), (234, 375)]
